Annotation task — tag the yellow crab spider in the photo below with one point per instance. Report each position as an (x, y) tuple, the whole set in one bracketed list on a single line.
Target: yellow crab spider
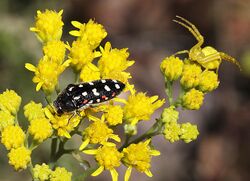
[(207, 57)]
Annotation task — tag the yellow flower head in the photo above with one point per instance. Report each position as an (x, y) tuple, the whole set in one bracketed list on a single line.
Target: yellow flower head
[(46, 74), (41, 172), (172, 131), (63, 124), (138, 156), (172, 67), (60, 174), (19, 157), (40, 129), (81, 54), (98, 132), (108, 157), (208, 81), (33, 110), (55, 51), (113, 59), (12, 137), (89, 72), (91, 32), (170, 115), (141, 107), (193, 99), (190, 75), (10, 101), (189, 132), (114, 115), (6, 119), (48, 25)]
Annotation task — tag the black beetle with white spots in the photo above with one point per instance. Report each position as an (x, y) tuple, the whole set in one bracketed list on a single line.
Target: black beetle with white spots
[(77, 97)]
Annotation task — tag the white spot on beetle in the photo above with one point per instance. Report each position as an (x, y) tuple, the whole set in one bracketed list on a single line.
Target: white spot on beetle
[(91, 83), (117, 86), (115, 81), (71, 88), (103, 81), (91, 101), (84, 93), (97, 100), (95, 92), (80, 85), (76, 97), (107, 88)]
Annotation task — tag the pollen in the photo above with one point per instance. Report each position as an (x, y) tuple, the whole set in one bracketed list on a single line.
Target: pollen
[(19, 157), (141, 107), (172, 67), (12, 137), (10, 101), (40, 129), (42, 172), (33, 110), (193, 99), (60, 173), (48, 25)]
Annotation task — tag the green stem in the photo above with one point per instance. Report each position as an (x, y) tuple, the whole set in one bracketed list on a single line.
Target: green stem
[(155, 129), (77, 76), (85, 174), (53, 152), (178, 101), (169, 91), (30, 167)]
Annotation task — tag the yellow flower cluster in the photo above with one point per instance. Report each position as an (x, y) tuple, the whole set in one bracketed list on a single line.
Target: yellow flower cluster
[(43, 173), (19, 157), (138, 156), (10, 102)]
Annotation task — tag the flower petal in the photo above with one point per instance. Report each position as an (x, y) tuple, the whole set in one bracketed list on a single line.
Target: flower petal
[(30, 67), (98, 171), (90, 152), (148, 173), (155, 153), (114, 174), (39, 85), (84, 144), (76, 24), (127, 174), (75, 33)]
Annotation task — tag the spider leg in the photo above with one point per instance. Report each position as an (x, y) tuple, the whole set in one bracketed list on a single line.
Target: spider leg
[(228, 58), (192, 28), (181, 52)]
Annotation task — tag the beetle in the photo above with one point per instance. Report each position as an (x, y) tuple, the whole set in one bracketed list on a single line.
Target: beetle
[(76, 97)]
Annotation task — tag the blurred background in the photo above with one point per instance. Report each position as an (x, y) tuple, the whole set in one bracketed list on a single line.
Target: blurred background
[(221, 153)]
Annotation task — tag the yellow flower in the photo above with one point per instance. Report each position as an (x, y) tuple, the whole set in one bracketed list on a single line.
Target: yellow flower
[(108, 157), (6, 119), (60, 174), (81, 54), (172, 131), (33, 110), (189, 132), (89, 72), (193, 99), (208, 81), (190, 75), (64, 124), (172, 67), (92, 33), (113, 115), (55, 51), (41, 172), (12, 137), (98, 132), (40, 129), (170, 115), (19, 157), (113, 59), (10, 101), (138, 156), (46, 74), (140, 107), (48, 25)]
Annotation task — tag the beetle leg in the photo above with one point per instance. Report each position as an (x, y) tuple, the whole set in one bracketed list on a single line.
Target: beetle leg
[(181, 52)]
